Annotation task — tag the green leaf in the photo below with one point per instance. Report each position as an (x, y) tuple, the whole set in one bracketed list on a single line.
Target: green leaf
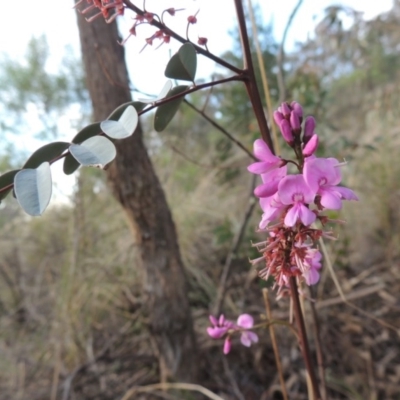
[(33, 189), (124, 127), (95, 151), (183, 64), (87, 132), (46, 153), (5, 180), (166, 112), (70, 165), (116, 114)]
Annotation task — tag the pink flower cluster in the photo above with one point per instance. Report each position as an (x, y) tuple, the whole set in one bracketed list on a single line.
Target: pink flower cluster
[(223, 328), (293, 202)]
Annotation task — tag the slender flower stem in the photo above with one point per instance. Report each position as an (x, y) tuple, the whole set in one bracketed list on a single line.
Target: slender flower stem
[(303, 337), (250, 82)]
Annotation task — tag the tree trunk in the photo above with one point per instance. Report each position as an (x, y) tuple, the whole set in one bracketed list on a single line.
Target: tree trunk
[(136, 186)]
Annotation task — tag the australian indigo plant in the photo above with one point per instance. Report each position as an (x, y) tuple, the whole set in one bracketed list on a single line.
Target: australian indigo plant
[(293, 195)]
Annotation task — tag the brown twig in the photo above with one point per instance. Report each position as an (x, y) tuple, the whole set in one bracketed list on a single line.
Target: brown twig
[(275, 345), (232, 252), (281, 54), (220, 128)]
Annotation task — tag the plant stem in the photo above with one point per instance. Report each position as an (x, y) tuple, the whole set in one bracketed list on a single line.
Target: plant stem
[(250, 81), (303, 337)]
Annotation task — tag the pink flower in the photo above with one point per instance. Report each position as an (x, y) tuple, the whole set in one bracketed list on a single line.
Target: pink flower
[(322, 175), (225, 328), (268, 162), (313, 264), (220, 327), (293, 190), (247, 337), (272, 208), (270, 182)]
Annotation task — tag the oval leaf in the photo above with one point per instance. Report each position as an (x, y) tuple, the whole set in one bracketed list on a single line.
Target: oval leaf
[(166, 112), (33, 189), (87, 132), (46, 153), (70, 165), (6, 180), (122, 128), (96, 151), (116, 114), (183, 64)]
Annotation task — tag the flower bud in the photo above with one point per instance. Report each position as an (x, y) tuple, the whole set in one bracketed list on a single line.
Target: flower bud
[(297, 108), (295, 123), (192, 19), (278, 117), (227, 345), (286, 131), (309, 128), (311, 146), (285, 109), (202, 41)]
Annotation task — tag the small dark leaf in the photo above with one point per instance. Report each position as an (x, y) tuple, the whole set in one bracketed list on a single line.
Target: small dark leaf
[(96, 151), (116, 114), (5, 180), (46, 153), (33, 189), (70, 165), (166, 112), (87, 132), (183, 64)]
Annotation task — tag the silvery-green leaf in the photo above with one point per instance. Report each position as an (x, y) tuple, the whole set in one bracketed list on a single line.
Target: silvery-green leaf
[(33, 189), (96, 151), (164, 91), (122, 128)]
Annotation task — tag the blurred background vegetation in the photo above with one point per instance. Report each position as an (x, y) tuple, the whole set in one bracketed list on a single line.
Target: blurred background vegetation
[(71, 320)]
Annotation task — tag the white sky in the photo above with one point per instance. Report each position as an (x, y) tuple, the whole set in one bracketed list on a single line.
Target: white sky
[(216, 17)]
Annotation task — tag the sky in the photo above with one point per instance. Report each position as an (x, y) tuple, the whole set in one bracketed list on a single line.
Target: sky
[(215, 19)]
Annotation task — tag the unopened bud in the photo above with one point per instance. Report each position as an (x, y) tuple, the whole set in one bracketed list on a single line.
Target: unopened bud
[(297, 108), (309, 127), (295, 122), (286, 131), (285, 109), (170, 11), (278, 117), (192, 19), (227, 345), (311, 146), (202, 41)]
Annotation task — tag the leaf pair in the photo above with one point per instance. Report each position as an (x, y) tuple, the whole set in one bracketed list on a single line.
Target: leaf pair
[(33, 184)]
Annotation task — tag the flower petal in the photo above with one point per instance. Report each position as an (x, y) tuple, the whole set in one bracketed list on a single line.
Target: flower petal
[(227, 345), (330, 199), (216, 332), (245, 321)]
